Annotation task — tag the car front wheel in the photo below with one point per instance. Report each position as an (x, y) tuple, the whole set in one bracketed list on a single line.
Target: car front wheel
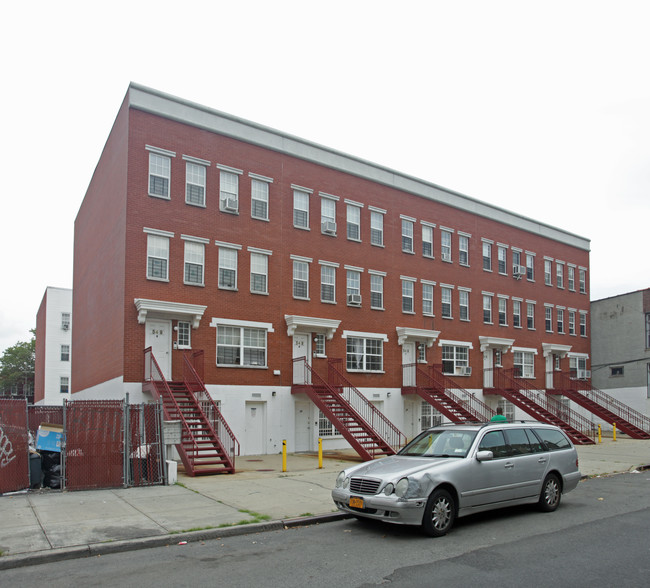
[(439, 513), (549, 499)]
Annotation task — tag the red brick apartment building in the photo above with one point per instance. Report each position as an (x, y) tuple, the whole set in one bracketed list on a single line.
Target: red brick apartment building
[(203, 231)]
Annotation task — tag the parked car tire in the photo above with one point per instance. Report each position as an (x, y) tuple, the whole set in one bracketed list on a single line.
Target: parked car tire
[(439, 513), (549, 498)]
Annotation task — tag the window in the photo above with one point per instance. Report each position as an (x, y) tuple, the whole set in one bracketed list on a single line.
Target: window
[(407, 296), (578, 367), (495, 442), (327, 283), (300, 209), (524, 363), (560, 320), (617, 371), (647, 330), (229, 191), (157, 257), (582, 276), (487, 256), (560, 275), (502, 255), (259, 273), (427, 299), (445, 245), (407, 236), (571, 278), (353, 222), (516, 313), (65, 321), (503, 312), (516, 262), (463, 249), (427, 241), (376, 291), (445, 306), (487, 309), (376, 228), (65, 352), (530, 315), (364, 354), (319, 345), (241, 346), (353, 284), (300, 279), (183, 335), (159, 174), (64, 384), (328, 216), (194, 259), (429, 416), (530, 267), (548, 319), (325, 428), (583, 324), (259, 199), (572, 322), (421, 352), (463, 301), (548, 272), (227, 268), (455, 359), (194, 184)]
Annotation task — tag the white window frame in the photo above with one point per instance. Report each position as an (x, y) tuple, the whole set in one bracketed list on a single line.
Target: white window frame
[(353, 282), (64, 384), (456, 356), (195, 181), (301, 207), (300, 279), (194, 259), (487, 308), (228, 262), (407, 235), (463, 249), (463, 304), (516, 314), (183, 335), (548, 318), (559, 315), (353, 221), (530, 316), (359, 350), (583, 324), (548, 272), (65, 321), (158, 251), (530, 267), (571, 278), (376, 290), (377, 227), (408, 300), (487, 256), (559, 274), (427, 240), (260, 189), (160, 166), (503, 311), (572, 322), (502, 259), (446, 301), (65, 352), (327, 212), (427, 299), (328, 283), (228, 188), (582, 277), (244, 331), (524, 359), (445, 245), (259, 271)]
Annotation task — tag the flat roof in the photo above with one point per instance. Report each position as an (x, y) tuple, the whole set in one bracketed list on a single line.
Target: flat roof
[(187, 112)]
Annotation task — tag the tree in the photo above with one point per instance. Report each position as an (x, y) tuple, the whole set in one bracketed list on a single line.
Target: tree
[(17, 367)]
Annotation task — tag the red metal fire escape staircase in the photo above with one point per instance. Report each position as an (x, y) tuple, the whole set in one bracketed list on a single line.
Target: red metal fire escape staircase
[(364, 427), (208, 446), (609, 409), (534, 402), (445, 395)]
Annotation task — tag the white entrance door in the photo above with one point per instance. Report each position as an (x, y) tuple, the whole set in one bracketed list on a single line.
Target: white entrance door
[(408, 358), (301, 349), (159, 337), (255, 431), (303, 434), (488, 368), (550, 366)]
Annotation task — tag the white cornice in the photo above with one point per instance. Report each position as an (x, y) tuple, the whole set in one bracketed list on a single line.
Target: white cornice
[(164, 308)]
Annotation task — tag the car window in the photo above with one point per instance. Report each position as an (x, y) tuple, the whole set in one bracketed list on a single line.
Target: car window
[(518, 441), (440, 443), (495, 442), (553, 439), (535, 443)]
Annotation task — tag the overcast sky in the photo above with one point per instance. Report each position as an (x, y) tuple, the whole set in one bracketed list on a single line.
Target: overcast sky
[(542, 108)]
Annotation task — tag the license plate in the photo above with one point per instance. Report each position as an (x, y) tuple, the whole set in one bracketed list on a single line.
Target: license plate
[(356, 502)]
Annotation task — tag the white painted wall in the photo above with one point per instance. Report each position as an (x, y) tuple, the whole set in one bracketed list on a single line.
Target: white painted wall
[(58, 300)]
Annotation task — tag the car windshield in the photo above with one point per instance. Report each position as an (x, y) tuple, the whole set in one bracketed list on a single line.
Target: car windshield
[(440, 443)]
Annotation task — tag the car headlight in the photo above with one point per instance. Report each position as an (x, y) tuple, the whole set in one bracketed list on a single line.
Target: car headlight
[(342, 481), (401, 487), (389, 489)]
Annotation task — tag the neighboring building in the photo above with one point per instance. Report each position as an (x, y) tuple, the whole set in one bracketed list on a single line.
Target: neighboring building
[(203, 231), (53, 347), (620, 331)]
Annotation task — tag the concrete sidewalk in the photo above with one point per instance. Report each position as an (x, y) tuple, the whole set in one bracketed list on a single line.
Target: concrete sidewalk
[(45, 526)]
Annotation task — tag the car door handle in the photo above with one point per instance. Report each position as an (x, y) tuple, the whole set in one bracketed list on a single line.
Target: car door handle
[(509, 465), (541, 460)]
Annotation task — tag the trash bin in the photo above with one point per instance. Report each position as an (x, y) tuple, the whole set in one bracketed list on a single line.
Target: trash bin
[(35, 471)]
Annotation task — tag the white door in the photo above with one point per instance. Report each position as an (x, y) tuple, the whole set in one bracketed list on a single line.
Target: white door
[(488, 368), (159, 337), (301, 349), (550, 366), (408, 357), (255, 428), (303, 434)]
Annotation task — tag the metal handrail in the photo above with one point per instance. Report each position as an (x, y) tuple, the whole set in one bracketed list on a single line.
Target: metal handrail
[(616, 407), (206, 403)]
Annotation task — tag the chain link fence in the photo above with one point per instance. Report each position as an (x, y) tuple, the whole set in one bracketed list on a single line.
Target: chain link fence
[(103, 444)]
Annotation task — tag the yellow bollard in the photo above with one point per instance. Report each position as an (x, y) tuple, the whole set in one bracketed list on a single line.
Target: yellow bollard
[(600, 438), (614, 439), (284, 455), (320, 453)]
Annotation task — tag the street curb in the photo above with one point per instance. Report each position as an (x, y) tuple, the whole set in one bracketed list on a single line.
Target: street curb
[(20, 560)]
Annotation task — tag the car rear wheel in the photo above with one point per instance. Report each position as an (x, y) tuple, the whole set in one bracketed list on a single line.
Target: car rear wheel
[(439, 513), (549, 499)]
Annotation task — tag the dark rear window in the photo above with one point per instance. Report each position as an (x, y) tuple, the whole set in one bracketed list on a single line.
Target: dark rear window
[(519, 442), (553, 439)]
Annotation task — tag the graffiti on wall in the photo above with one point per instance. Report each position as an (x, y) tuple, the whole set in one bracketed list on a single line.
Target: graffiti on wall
[(7, 454)]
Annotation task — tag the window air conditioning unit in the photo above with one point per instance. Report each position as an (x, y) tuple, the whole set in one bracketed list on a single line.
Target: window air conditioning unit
[(584, 374), (65, 327), (446, 256), (329, 227), (518, 271), (231, 204), (465, 371), (354, 299)]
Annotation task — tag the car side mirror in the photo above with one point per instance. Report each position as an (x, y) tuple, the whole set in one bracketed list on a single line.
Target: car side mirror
[(484, 456)]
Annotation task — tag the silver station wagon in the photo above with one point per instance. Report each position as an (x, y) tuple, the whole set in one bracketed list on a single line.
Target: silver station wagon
[(455, 470)]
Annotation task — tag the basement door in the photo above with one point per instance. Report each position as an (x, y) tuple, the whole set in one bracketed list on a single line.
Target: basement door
[(255, 428), (158, 336), (303, 435)]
